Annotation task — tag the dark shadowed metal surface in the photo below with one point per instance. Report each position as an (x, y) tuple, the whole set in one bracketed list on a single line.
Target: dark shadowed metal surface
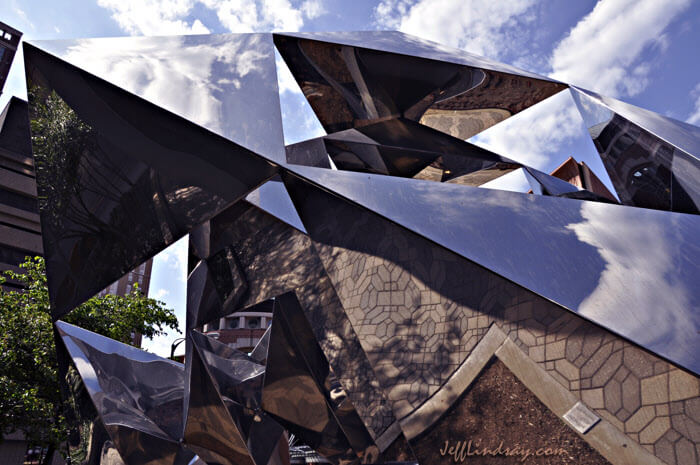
[(652, 160), (119, 178)]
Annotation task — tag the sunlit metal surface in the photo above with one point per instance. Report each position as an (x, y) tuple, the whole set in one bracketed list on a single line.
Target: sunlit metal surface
[(214, 81), (529, 239), (138, 395)]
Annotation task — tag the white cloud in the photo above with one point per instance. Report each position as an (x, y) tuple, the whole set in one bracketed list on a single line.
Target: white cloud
[(154, 17), (175, 259), (248, 16), (160, 294), (694, 118), (170, 17), (537, 133), (603, 51), (312, 8), (22, 14), (264, 15), (482, 27)]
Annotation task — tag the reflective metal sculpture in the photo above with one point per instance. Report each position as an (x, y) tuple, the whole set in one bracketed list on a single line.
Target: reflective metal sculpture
[(137, 395), (652, 160), (389, 268)]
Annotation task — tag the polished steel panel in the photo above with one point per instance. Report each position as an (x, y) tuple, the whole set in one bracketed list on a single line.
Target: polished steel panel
[(277, 258), (617, 281), (215, 288), (544, 184), (138, 395), (653, 161), (119, 179), (401, 147), (226, 83), (259, 353), (236, 375), (210, 430), (238, 379), (677, 133), (273, 198), (301, 391), (354, 79), (406, 44)]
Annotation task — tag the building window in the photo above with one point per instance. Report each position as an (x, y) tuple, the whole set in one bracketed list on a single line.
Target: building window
[(254, 322)]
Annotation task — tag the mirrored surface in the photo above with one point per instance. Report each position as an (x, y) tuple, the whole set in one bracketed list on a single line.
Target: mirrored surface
[(678, 133), (277, 258), (544, 184), (238, 380), (259, 353), (405, 44), (210, 430), (296, 389), (138, 395), (273, 198), (118, 178), (215, 288), (652, 160), (236, 375), (136, 448), (309, 153), (226, 83), (618, 280), (354, 79), (401, 147)]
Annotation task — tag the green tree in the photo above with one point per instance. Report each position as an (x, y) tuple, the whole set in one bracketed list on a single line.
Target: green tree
[(30, 399)]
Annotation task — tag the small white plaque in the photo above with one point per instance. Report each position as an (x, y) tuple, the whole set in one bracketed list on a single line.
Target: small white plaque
[(581, 418)]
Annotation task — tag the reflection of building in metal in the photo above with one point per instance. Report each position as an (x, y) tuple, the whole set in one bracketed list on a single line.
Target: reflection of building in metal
[(651, 159), (641, 179), (242, 330), (9, 41), (141, 276), (19, 210), (20, 231), (392, 297), (580, 175)]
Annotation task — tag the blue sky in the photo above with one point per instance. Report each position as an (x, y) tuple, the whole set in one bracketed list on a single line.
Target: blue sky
[(644, 52)]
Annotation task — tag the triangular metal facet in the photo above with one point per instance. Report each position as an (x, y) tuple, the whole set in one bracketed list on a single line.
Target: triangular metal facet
[(352, 79), (530, 239), (119, 178), (652, 160), (138, 395)]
